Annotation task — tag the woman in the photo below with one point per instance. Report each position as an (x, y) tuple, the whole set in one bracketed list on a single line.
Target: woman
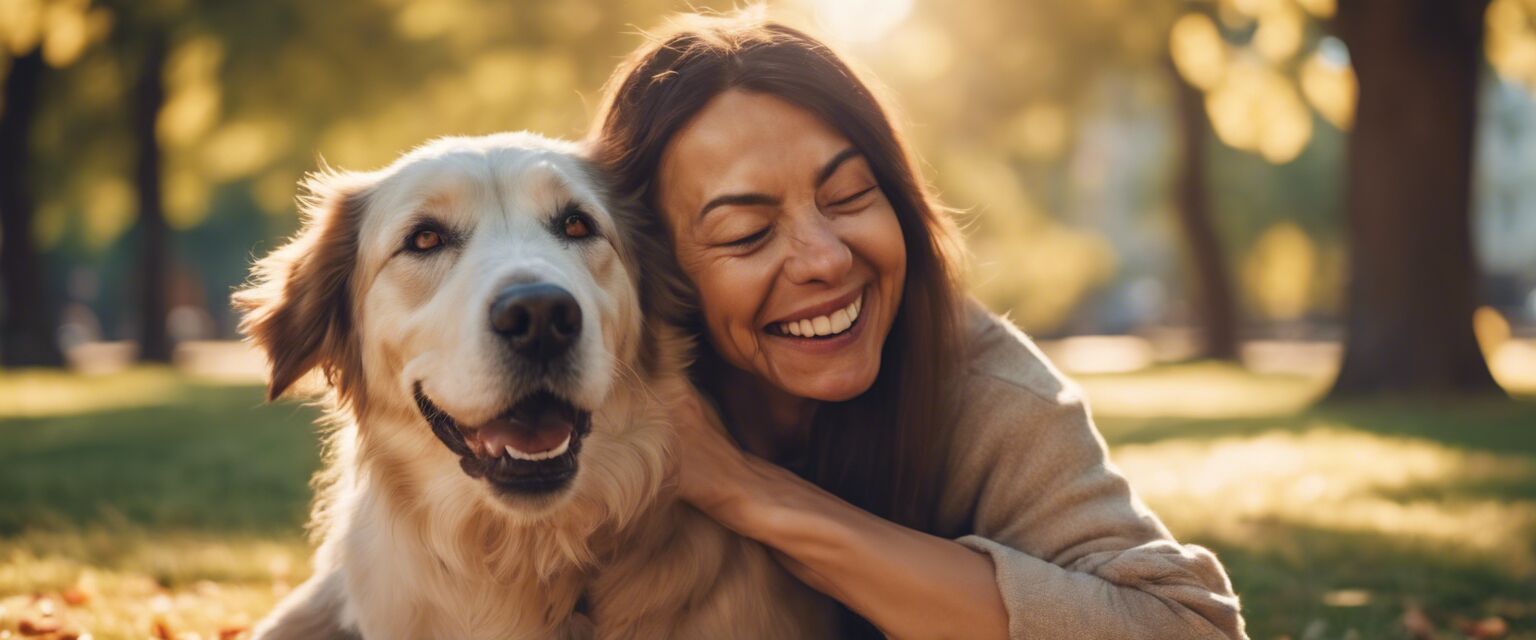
[(906, 452)]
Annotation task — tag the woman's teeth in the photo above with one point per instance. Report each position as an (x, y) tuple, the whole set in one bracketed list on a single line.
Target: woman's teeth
[(830, 324)]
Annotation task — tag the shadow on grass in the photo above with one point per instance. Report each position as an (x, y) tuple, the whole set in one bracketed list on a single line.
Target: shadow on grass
[(210, 459), (1495, 426), (1302, 581)]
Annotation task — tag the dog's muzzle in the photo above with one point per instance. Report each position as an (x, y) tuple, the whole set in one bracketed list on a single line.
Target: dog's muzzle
[(530, 449)]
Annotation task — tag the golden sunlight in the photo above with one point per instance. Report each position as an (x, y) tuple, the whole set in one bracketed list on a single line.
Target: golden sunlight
[(1511, 43), (1334, 478), (1257, 109), (860, 21), (1329, 83), (1279, 271), (1198, 51)]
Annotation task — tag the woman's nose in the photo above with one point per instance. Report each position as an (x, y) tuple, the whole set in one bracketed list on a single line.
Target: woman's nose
[(818, 253)]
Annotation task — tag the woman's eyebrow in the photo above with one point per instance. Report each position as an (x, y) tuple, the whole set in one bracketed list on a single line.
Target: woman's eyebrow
[(757, 199), (831, 166), (747, 199)]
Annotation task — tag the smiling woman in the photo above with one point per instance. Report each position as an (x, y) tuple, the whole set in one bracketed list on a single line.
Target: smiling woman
[(903, 451)]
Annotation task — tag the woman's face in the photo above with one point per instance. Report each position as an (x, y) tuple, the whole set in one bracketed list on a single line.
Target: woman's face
[(796, 253)]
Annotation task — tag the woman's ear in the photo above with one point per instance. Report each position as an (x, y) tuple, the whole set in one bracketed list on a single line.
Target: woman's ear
[(296, 307)]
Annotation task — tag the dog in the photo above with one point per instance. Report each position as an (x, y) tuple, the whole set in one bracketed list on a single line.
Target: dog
[(496, 334)]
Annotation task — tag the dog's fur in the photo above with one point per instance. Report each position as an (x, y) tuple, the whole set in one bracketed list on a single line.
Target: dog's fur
[(410, 546)]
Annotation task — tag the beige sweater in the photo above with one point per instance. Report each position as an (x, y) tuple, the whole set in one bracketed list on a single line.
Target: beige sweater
[(1077, 555)]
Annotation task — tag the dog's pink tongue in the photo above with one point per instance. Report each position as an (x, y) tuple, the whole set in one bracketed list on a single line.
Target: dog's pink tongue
[(543, 435)]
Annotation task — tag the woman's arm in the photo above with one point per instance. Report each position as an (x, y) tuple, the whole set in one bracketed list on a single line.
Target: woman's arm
[(1067, 550), (908, 583)]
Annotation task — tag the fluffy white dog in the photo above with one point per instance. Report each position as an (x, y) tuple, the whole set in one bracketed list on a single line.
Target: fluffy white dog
[(496, 334)]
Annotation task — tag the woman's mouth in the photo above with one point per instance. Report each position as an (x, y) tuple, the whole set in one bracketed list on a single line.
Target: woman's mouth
[(822, 326)]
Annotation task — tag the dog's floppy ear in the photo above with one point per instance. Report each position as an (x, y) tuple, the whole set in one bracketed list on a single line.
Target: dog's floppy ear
[(297, 305)]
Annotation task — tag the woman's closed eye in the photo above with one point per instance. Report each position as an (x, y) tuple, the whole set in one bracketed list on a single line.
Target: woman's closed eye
[(854, 201), (748, 240)]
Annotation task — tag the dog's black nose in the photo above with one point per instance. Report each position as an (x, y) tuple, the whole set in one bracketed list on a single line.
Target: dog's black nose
[(540, 321)]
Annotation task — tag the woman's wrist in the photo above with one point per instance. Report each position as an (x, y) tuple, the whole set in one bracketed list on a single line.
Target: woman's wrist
[(785, 512)]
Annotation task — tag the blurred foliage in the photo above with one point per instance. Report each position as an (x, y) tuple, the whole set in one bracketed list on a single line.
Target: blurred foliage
[(1045, 123)]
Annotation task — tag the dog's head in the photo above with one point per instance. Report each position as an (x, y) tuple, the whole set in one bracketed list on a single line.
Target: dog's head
[(481, 291)]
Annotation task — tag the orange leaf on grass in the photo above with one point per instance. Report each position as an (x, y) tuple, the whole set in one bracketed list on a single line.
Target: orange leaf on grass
[(75, 596), (30, 627)]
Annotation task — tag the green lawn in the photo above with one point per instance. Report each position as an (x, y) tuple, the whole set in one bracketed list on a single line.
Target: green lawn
[(149, 498)]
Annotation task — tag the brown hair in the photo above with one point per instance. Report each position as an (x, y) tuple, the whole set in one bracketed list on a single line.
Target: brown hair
[(885, 449)]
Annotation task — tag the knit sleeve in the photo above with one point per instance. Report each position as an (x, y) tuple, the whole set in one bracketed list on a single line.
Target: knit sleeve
[(1076, 554)]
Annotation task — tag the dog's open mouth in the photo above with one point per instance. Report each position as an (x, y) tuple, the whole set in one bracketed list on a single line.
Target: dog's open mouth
[(530, 449)]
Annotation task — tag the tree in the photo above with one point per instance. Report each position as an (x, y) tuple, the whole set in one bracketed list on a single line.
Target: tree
[(1210, 275), (27, 337), (1412, 284), (147, 98)]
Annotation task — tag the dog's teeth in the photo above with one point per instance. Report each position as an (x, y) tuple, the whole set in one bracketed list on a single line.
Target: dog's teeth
[(542, 455)]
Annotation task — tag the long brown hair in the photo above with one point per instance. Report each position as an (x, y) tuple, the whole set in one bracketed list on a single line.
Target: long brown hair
[(885, 449)]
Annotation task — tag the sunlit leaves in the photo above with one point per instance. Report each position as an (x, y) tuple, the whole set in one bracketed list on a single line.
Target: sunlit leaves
[(425, 19), (192, 85), (1281, 27), (21, 25), (1028, 264), (108, 209), (1259, 110), (1330, 86), (64, 28), (1198, 50), (1321, 9), (186, 195), (69, 27), (1254, 90), (241, 148), (1511, 40), (1279, 272)]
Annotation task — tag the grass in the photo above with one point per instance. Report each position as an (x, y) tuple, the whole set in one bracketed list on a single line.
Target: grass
[(149, 498)]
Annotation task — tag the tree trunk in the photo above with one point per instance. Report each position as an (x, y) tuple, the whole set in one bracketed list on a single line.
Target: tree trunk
[(28, 331), (1413, 275), (1212, 290), (154, 235)]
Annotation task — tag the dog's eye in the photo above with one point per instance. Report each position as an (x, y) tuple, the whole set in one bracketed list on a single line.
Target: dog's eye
[(576, 225), (424, 240)]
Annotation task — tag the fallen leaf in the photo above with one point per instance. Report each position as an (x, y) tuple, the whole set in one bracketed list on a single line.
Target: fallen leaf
[(75, 596), (30, 627), (161, 631), (1488, 628), (230, 633), (1417, 624)]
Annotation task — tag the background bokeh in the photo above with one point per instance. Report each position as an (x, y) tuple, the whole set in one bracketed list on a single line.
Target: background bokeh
[(1163, 192)]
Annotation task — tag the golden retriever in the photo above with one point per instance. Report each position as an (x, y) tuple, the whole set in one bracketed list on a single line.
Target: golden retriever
[(497, 339)]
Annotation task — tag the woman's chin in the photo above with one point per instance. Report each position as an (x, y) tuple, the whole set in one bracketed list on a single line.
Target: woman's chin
[(834, 385)]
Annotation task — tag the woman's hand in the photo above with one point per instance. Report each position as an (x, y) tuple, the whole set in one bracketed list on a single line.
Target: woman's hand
[(710, 465), (908, 583)]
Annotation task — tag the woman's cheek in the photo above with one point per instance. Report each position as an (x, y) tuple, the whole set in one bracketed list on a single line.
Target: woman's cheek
[(732, 291), (876, 235)]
